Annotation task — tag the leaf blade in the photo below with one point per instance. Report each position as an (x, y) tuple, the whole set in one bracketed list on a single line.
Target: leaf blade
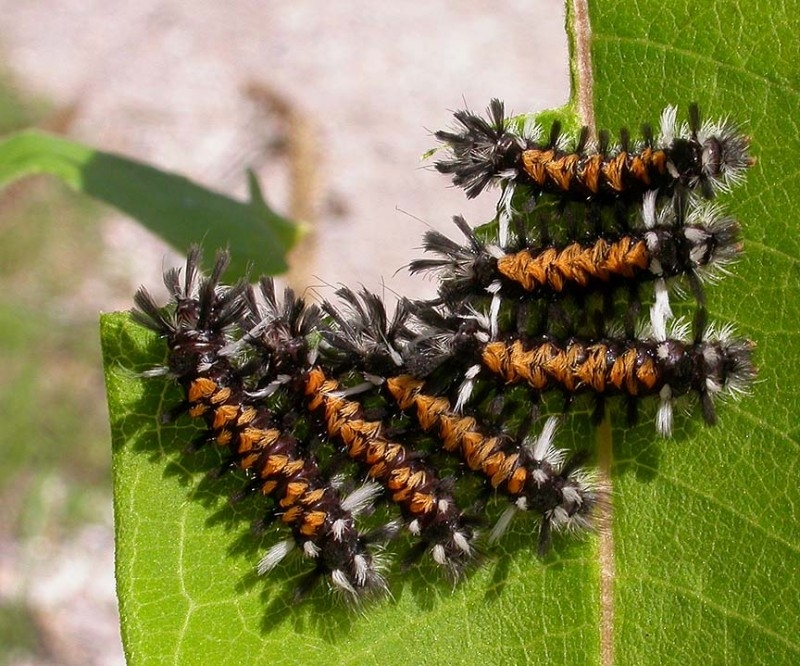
[(704, 541), (172, 206)]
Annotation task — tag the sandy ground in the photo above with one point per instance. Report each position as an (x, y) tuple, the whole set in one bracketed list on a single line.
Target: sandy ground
[(332, 103)]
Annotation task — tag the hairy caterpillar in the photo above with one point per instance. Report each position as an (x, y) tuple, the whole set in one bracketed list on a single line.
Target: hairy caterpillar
[(709, 157)]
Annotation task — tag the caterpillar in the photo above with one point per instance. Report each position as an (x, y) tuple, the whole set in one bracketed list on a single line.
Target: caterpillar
[(198, 333), (534, 474), (699, 244), (709, 157), (715, 364), (425, 501)]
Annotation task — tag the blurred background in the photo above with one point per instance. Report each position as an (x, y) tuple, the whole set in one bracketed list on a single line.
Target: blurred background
[(332, 104)]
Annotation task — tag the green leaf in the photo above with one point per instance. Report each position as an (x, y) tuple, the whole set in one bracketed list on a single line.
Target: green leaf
[(175, 208), (705, 534), (706, 528)]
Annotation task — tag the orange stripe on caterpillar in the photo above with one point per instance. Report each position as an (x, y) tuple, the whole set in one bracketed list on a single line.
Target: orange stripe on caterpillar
[(575, 263)]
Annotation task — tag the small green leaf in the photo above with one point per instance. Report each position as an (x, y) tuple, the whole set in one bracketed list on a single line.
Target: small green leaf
[(175, 208)]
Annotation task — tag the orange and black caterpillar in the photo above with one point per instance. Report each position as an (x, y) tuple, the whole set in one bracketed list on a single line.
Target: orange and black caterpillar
[(707, 157), (698, 245), (425, 501), (322, 522), (534, 475), (713, 365), (666, 368)]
